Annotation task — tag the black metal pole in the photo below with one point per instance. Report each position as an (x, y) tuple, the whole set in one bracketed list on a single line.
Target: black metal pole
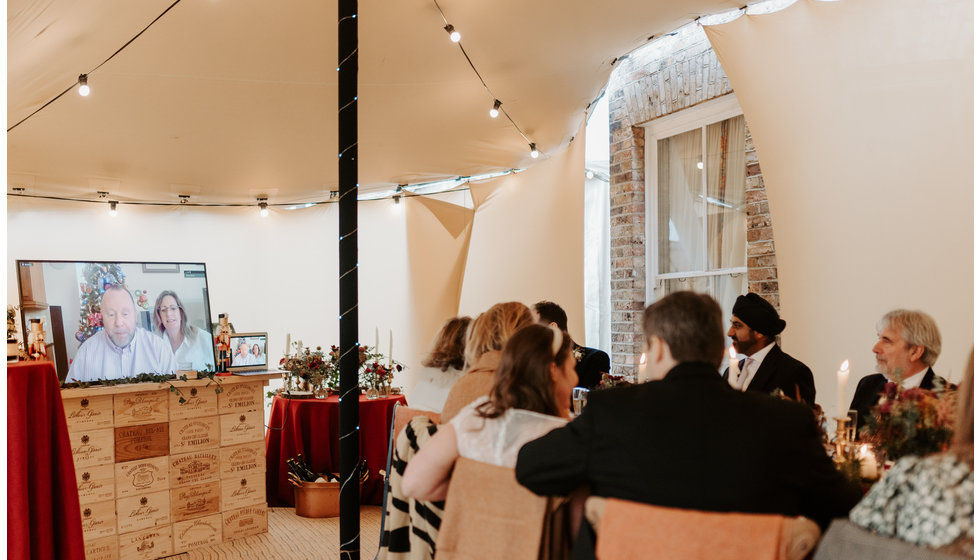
[(350, 510)]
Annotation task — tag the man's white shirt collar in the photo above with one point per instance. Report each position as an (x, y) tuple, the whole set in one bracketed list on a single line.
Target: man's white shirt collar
[(913, 381), (752, 364)]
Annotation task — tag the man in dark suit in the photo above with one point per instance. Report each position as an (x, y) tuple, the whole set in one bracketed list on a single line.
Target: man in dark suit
[(686, 439), (908, 345), (755, 324), (590, 363)]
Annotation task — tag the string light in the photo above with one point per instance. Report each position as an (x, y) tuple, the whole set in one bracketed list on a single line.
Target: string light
[(83, 88), (590, 174), (454, 35), (534, 151), (263, 207), (495, 111), (112, 208)]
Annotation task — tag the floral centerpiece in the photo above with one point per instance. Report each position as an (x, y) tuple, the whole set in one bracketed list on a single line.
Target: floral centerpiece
[(310, 369), (911, 421), (611, 380), (377, 376)]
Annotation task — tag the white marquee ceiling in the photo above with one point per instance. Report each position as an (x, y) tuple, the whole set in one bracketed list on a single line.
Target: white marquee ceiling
[(226, 99)]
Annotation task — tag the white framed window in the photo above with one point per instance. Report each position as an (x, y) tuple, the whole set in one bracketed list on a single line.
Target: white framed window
[(695, 197)]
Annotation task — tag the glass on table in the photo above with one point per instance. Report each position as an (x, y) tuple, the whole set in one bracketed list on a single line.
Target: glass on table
[(580, 396), (852, 418)]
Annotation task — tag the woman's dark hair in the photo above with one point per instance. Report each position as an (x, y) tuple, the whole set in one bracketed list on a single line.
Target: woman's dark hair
[(448, 351), (523, 377)]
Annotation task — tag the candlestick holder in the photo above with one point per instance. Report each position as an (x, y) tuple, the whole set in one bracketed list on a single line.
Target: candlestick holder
[(842, 439)]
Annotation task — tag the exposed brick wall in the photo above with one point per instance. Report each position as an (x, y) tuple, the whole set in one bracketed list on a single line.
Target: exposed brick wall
[(678, 73)]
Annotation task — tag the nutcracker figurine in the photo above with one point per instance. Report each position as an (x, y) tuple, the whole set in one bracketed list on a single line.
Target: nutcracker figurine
[(36, 347), (223, 343)]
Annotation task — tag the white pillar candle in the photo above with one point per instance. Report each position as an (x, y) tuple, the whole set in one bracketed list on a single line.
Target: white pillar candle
[(842, 375), (375, 339), (641, 369), (869, 466), (391, 344), (287, 344), (733, 371)]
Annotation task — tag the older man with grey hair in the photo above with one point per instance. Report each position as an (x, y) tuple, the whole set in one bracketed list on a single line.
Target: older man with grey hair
[(121, 348), (908, 345)]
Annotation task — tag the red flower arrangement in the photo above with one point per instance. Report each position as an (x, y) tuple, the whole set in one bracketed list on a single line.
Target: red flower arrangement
[(911, 421)]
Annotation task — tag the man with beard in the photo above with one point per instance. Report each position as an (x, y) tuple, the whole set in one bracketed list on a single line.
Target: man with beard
[(121, 348), (755, 324), (908, 345)]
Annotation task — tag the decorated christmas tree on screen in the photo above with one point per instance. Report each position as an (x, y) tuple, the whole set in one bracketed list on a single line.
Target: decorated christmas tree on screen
[(95, 279)]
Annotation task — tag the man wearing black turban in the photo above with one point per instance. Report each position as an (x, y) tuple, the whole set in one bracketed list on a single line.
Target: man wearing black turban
[(755, 324)]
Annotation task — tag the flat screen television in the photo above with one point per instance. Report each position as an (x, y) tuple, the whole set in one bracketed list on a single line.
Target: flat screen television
[(113, 319)]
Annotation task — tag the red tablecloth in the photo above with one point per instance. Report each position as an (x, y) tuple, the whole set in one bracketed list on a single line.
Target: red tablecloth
[(310, 427), (43, 517)]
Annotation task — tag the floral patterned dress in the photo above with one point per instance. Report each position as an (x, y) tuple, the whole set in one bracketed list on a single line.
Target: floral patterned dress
[(923, 500)]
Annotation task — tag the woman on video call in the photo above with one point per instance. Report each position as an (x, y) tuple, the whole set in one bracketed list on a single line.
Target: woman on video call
[(192, 346)]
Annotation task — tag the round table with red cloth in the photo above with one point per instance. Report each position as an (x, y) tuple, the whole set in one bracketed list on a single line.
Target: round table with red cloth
[(43, 517), (310, 427)]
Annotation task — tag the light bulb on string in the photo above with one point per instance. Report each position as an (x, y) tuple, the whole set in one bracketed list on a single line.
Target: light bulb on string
[(495, 110), (454, 35), (263, 207), (83, 88), (590, 174), (112, 208), (534, 151)]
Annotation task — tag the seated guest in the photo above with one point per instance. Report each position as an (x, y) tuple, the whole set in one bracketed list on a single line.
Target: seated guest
[(686, 439), (755, 324), (484, 339), (442, 367), (121, 348), (529, 397), (908, 345), (929, 500), (590, 363)]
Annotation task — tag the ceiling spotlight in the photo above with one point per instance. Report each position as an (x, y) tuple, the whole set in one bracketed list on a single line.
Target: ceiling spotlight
[(534, 150), (397, 198), (184, 198), (453, 34), (590, 174), (263, 207), (495, 112), (112, 208), (83, 88)]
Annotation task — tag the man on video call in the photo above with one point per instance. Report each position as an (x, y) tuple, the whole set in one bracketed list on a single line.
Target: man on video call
[(121, 348)]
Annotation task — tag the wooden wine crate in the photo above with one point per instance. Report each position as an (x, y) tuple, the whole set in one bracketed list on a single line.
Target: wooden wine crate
[(189, 469), (198, 402), (142, 442), (96, 483), (195, 533), (242, 427), (199, 500), (242, 522), (194, 434), (91, 448), (144, 407), (104, 548), (143, 511), (98, 520), (88, 413), (241, 397), (147, 544), (244, 459), (144, 476), (244, 491)]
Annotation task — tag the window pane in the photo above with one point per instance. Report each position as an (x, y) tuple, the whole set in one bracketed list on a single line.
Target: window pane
[(700, 284), (680, 229), (725, 166), (725, 289)]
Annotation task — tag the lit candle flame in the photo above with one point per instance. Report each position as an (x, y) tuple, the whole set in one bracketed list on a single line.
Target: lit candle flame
[(643, 358), (731, 351), (845, 365)]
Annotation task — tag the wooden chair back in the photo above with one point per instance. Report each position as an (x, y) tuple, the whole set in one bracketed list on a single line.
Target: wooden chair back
[(489, 515), (626, 529)]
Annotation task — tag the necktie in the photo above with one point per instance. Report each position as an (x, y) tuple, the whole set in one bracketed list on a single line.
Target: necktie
[(743, 373)]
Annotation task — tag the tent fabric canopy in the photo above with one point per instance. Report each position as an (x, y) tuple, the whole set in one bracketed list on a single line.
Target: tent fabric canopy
[(226, 101)]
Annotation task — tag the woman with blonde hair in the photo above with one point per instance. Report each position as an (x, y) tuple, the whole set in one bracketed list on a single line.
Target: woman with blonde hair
[(192, 347), (442, 367), (485, 337)]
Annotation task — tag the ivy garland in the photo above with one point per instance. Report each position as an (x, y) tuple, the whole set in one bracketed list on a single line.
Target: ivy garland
[(207, 373)]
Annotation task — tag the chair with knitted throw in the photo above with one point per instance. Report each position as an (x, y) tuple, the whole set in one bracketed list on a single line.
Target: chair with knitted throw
[(847, 541), (489, 515), (626, 529)]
